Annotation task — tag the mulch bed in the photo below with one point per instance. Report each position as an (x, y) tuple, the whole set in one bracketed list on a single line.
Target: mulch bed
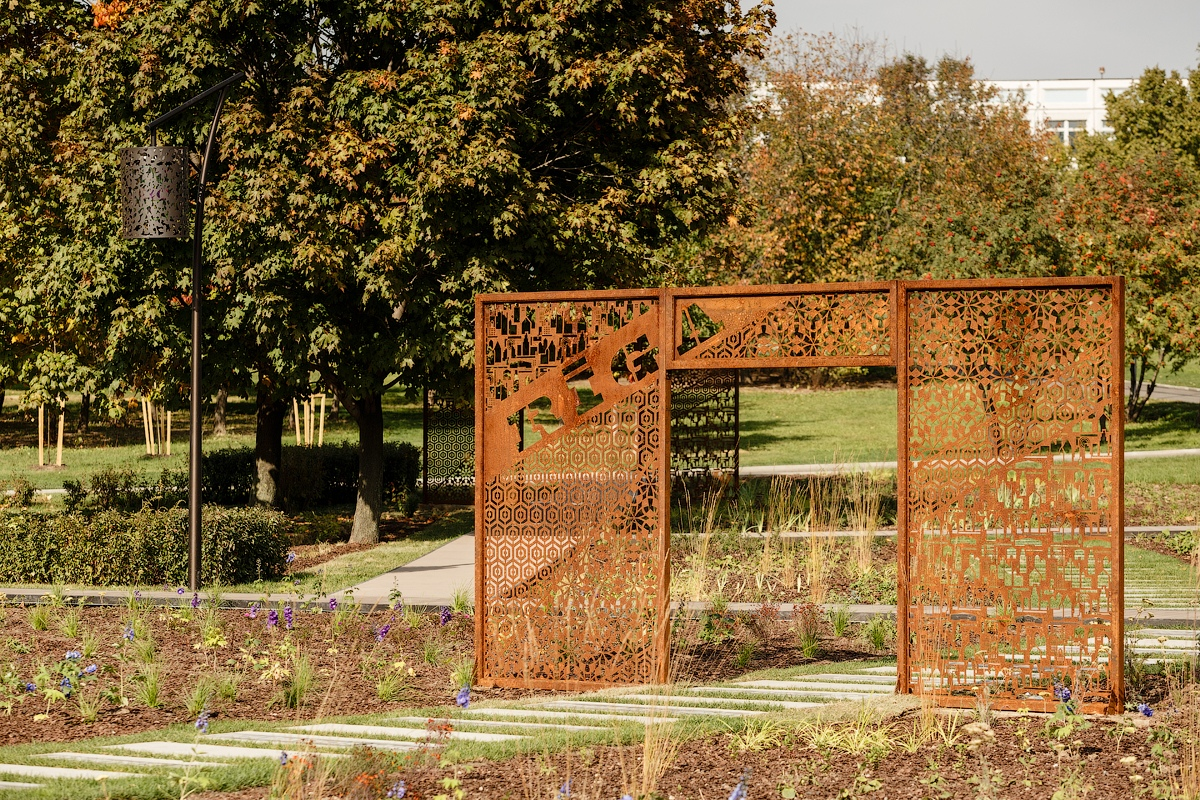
[(1162, 503)]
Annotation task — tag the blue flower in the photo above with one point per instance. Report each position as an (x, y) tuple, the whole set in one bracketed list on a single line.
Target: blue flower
[(740, 791), (73, 655), (463, 698), (398, 790), (1145, 708), (565, 790), (333, 607), (289, 558), (129, 634), (627, 796), (1062, 693), (382, 632), (202, 721), (283, 757), (65, 685), (89, 669), (29, 687), (195, 600), (447, 615)]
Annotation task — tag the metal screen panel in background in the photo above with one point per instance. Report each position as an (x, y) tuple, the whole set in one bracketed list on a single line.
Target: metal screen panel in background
[(704, 429), (1011, 404), (571, 538), (448, 457)]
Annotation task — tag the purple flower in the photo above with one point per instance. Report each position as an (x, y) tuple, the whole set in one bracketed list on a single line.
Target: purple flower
[(397, 791), (202, 721), (89, 669), (283, 757), (1063, 693), (65, 685), (287, 616), (1145, 709), (29, 687), (179, 591), (195, 600), (289, 558), (129, 634), (382, 632), (447, 615), (740, 791), (333, 607), (137, 594), (565, 790), (252, 612), (272, 618), (463, 698), (73, 655)]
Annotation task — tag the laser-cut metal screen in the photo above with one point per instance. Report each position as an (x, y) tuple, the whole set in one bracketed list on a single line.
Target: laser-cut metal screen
[(1012, 531), (448, 450), (1010, 473), (704, 429)]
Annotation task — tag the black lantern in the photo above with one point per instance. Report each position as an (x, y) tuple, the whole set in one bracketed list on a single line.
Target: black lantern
[(155, 205)]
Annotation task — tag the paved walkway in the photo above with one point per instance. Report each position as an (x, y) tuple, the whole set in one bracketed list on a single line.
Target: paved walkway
[(430, 580)]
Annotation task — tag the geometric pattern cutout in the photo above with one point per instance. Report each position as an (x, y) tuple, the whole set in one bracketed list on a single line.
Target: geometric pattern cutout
[(748, 330), (1013, 532), (449, 450), (572, 522), (704, 428), (155, 203)]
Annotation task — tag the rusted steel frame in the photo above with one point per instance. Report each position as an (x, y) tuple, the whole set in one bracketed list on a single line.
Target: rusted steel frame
[(783, 289), (900, 353), (781, 362), (588, 296), (482, 680), (1044, 706), (988, 284), (666, 342), (425, 445), (1116, 525)]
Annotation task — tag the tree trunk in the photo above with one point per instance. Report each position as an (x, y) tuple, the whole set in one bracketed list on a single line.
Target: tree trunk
[(268, 446), (1, 399), (369, 506), (85, 412), (219, 428)]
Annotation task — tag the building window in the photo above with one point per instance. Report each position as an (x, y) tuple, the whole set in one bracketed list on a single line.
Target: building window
[(1067, 130)]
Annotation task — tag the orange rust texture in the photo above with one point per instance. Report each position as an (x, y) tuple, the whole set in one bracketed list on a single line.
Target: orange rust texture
[(1013, 540)]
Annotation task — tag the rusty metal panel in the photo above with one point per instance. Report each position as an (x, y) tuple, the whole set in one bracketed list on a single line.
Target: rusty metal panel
[(825, 325), (704, 428), (1011, 467), (448, 450), (571, 521)]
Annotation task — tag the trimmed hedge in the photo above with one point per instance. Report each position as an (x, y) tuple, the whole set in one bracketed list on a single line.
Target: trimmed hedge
[(311, 477), (146, 548)]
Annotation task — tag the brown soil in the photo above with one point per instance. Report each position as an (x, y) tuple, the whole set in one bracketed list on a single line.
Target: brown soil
[(1162, 503)]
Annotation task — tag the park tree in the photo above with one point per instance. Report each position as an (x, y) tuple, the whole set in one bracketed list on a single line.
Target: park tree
[(386, 161)]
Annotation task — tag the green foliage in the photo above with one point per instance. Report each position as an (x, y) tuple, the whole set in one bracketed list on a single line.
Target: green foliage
[(311, 477), (839, 620), (144, 548), (879, 632)]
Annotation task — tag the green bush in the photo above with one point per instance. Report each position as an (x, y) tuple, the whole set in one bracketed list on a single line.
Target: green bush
[(147, 547), (311, 477)]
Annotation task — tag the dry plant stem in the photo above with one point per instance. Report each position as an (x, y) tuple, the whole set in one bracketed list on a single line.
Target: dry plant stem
[(711, 508)]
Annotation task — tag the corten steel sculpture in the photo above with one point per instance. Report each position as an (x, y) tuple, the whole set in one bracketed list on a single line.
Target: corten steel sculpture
[(1010, 473)]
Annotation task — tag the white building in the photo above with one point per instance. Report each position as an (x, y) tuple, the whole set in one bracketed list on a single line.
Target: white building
[(1065, 107)]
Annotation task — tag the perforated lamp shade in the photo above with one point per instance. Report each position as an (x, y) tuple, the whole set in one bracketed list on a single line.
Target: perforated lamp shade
[(155, 203)]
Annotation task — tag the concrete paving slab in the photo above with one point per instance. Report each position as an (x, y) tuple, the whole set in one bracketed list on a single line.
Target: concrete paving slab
[(130, 761), (496, 723), (291, 740), (781, 694), (206, 750), (402, 733), (827, 686), (528, 713), (879, 670), (699, 695), (64, 773), (626, 708), (848, 677)]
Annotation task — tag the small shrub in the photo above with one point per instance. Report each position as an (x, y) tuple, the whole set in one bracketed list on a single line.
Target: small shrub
[(202, 693), (462, 673), (40, 617), (745, 655), (460, 602), (299, 682), (227, 684), (146, 547), (879, 632), (22, 492), (839, 620), (148, 686), (432, 653), (808, 628)]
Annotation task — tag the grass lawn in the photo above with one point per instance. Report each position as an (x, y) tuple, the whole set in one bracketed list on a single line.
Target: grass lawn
[(1162, 579), (1189, 375)]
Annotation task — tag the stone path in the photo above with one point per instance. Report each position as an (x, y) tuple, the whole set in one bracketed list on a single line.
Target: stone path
[(596, 714)]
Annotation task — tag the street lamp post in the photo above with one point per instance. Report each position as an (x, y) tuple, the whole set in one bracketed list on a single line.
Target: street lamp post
[(154, 204)]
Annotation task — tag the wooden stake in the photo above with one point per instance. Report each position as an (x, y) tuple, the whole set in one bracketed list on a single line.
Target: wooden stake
[(308, 422), (321, 435), (62, 417), (42, 435), (146, 424), (296, 418), (168, 433)]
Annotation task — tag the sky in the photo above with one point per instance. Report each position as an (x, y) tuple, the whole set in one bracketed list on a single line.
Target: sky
[(1017, 39)]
